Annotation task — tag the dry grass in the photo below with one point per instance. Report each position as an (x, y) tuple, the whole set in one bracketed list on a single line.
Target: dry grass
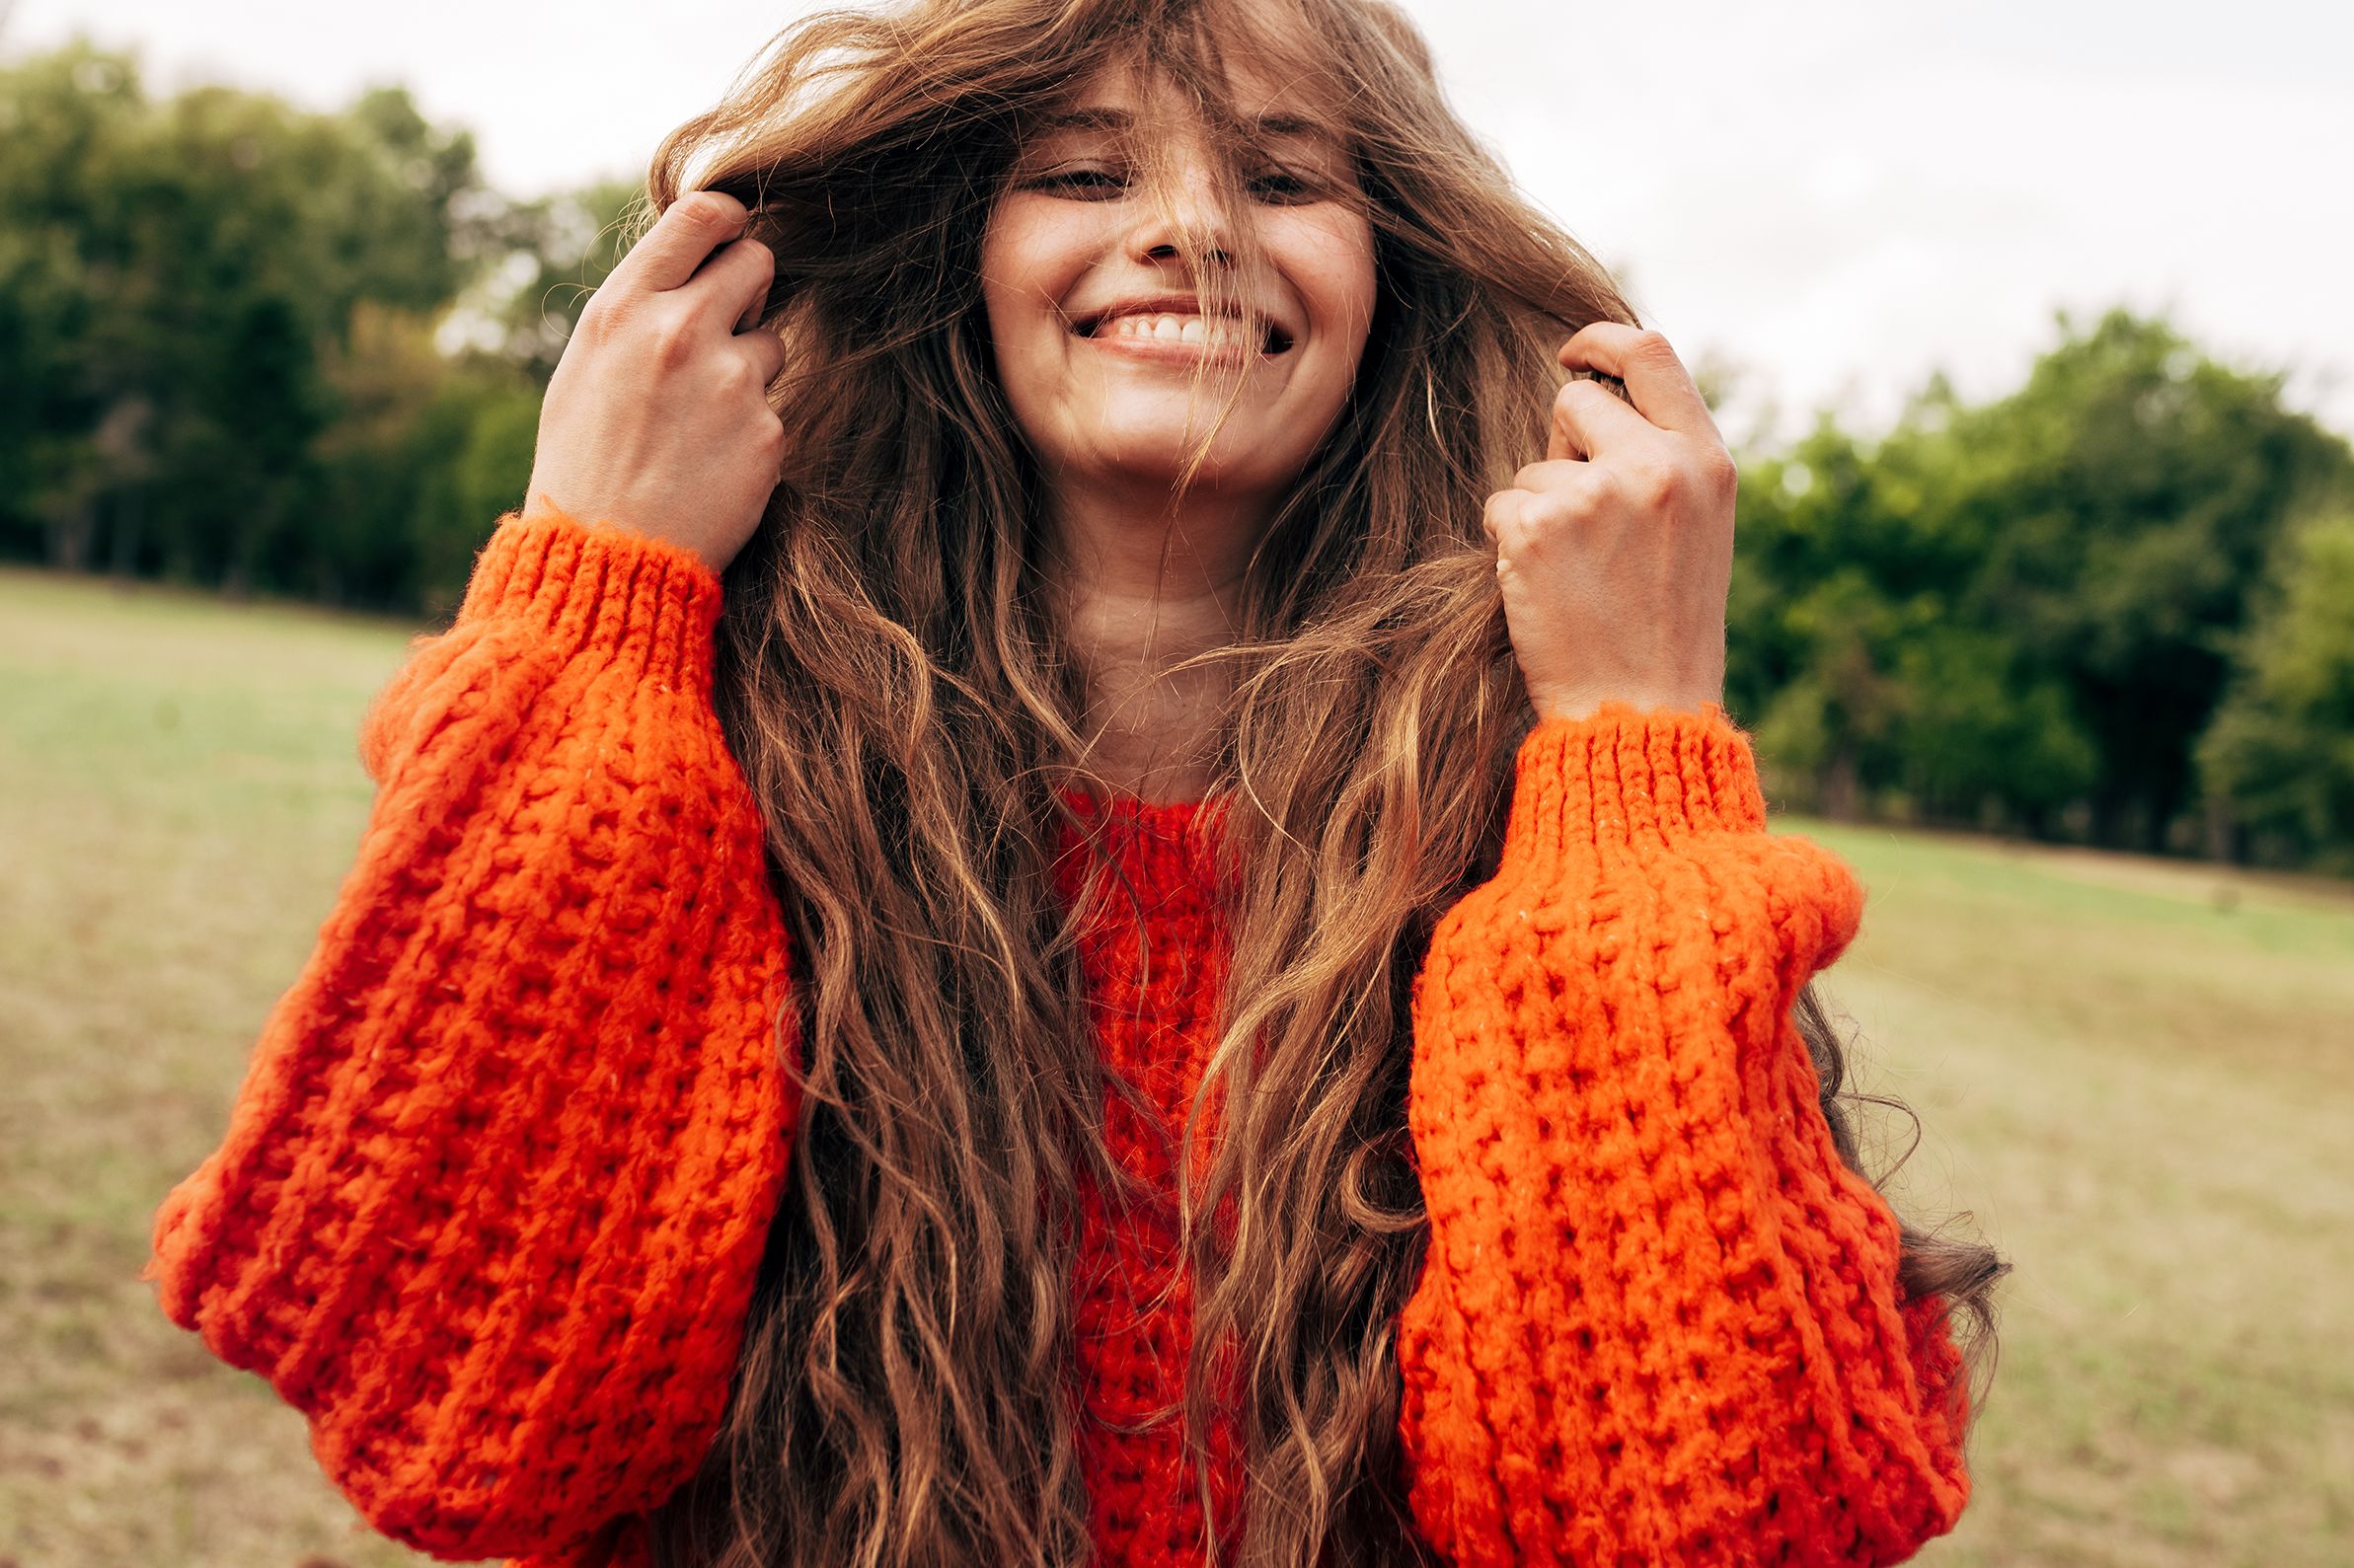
[(2139, 1088), (2134, 1074)]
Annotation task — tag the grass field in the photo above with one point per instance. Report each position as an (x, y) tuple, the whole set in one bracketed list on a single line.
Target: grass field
[(2136, 1075)]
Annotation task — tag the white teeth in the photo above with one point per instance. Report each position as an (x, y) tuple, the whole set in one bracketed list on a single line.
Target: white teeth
[(1172, 328)]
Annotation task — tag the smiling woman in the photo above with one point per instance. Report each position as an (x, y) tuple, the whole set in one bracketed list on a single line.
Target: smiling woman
[(1074, 890)]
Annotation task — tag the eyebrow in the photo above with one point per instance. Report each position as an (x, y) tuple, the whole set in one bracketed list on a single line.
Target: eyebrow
[(1109, 117)]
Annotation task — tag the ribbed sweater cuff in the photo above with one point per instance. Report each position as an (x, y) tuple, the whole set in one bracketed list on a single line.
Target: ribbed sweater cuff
[(643, 603), (1625, 776)]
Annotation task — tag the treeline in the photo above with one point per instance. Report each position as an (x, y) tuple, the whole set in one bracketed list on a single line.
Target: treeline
[(266, 351), (246, 346), (2115, 606)]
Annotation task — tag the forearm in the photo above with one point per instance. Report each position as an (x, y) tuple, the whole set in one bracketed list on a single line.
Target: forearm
[(1658, 1315), (494, 1188)]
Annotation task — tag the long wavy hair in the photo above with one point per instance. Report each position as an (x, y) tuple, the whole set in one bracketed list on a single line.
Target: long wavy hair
[(896, 681)]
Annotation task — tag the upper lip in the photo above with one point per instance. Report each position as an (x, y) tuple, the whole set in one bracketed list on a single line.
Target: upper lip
[(1169, 305)]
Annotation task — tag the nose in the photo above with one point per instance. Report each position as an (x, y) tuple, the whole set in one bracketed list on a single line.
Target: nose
[(1169, 251), (1192, 225)]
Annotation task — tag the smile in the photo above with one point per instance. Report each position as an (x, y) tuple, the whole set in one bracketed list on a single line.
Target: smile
[(1218, 336)]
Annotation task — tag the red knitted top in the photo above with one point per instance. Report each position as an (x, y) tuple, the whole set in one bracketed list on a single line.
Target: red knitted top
[(495, 1185)]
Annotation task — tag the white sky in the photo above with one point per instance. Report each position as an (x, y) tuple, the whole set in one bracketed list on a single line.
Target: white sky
[(1836, 196)]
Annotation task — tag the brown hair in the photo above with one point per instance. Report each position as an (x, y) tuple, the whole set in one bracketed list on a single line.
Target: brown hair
[(893, 679)]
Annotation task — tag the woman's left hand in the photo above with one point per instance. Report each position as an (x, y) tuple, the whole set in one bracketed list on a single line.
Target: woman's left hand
[(1616, 553)]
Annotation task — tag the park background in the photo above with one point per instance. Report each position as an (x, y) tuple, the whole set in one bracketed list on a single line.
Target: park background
[(2032, 342)]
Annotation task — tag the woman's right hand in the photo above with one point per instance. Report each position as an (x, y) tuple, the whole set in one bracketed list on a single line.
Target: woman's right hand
[(658, 417)]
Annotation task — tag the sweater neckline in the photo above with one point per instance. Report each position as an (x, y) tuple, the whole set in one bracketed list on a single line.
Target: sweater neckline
[(1170, 844), (1172, 814)]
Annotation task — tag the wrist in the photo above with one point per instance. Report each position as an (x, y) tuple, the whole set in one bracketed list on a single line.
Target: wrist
[(1628, 778), (600, 588), (539, 505), (1584, 702)]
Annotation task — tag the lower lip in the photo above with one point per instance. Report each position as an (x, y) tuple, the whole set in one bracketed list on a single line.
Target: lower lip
[(1172, 351)]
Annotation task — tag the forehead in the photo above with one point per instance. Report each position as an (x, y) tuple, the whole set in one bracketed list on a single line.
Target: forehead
[(1264, 105)]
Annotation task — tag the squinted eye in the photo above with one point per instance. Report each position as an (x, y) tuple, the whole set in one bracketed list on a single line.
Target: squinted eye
[(1284, 188), (1277, 187), (1085, 184)]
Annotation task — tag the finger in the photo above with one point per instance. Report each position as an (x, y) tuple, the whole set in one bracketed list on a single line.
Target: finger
[(669, 253), (765, 349), (733, 285), (1551, 475), (755, 309), (1586, 419), (1502, 510), (1662, 388)]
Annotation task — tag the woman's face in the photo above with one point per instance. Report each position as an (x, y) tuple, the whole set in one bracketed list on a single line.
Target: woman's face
[(1090, 293)]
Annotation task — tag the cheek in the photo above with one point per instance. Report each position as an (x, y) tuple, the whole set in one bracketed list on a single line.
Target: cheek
[(1030, 261), (1031, 256), (1010, 309), (1333, 258)]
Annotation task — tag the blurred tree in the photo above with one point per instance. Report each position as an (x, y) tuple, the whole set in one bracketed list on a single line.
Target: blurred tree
[(2119, 509), (2281, 751), (1979, 740), (1829, 588), (1998, 613), (60, 114), (174, 276), (373, 463), (487, 421), (558, 249)]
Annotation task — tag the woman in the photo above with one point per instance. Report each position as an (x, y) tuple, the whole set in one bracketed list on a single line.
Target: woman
[(1055, 901)]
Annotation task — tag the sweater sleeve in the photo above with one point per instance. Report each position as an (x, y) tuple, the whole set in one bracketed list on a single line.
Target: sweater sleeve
[(1658, 1319), (497, 1181)]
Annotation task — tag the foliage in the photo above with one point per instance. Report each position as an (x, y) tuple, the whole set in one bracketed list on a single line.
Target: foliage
[(2023, 614), (560, 248), (218, 334), (2282, 750), (2120, 510)]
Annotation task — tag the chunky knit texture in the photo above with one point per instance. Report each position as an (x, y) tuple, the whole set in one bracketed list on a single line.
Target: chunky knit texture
[(495, 1186)]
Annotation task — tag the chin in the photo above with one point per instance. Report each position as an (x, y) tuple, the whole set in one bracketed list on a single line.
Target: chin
[(1159, 451), (1162, 469)]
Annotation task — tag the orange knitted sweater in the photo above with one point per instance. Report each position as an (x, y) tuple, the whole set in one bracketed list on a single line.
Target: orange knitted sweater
[(494, 1190)]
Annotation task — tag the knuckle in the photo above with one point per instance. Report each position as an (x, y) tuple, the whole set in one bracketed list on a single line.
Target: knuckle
[(1568, 401), (671, 341), (1724, 474), (1573, 501), (605, 318), (1653, 484), (709, 208), (1583, 393)]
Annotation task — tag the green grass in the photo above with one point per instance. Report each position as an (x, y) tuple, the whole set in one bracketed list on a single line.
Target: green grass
[(2134, 1074)]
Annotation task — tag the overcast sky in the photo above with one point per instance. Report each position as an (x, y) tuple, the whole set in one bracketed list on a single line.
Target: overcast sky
[(1835, 195)]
